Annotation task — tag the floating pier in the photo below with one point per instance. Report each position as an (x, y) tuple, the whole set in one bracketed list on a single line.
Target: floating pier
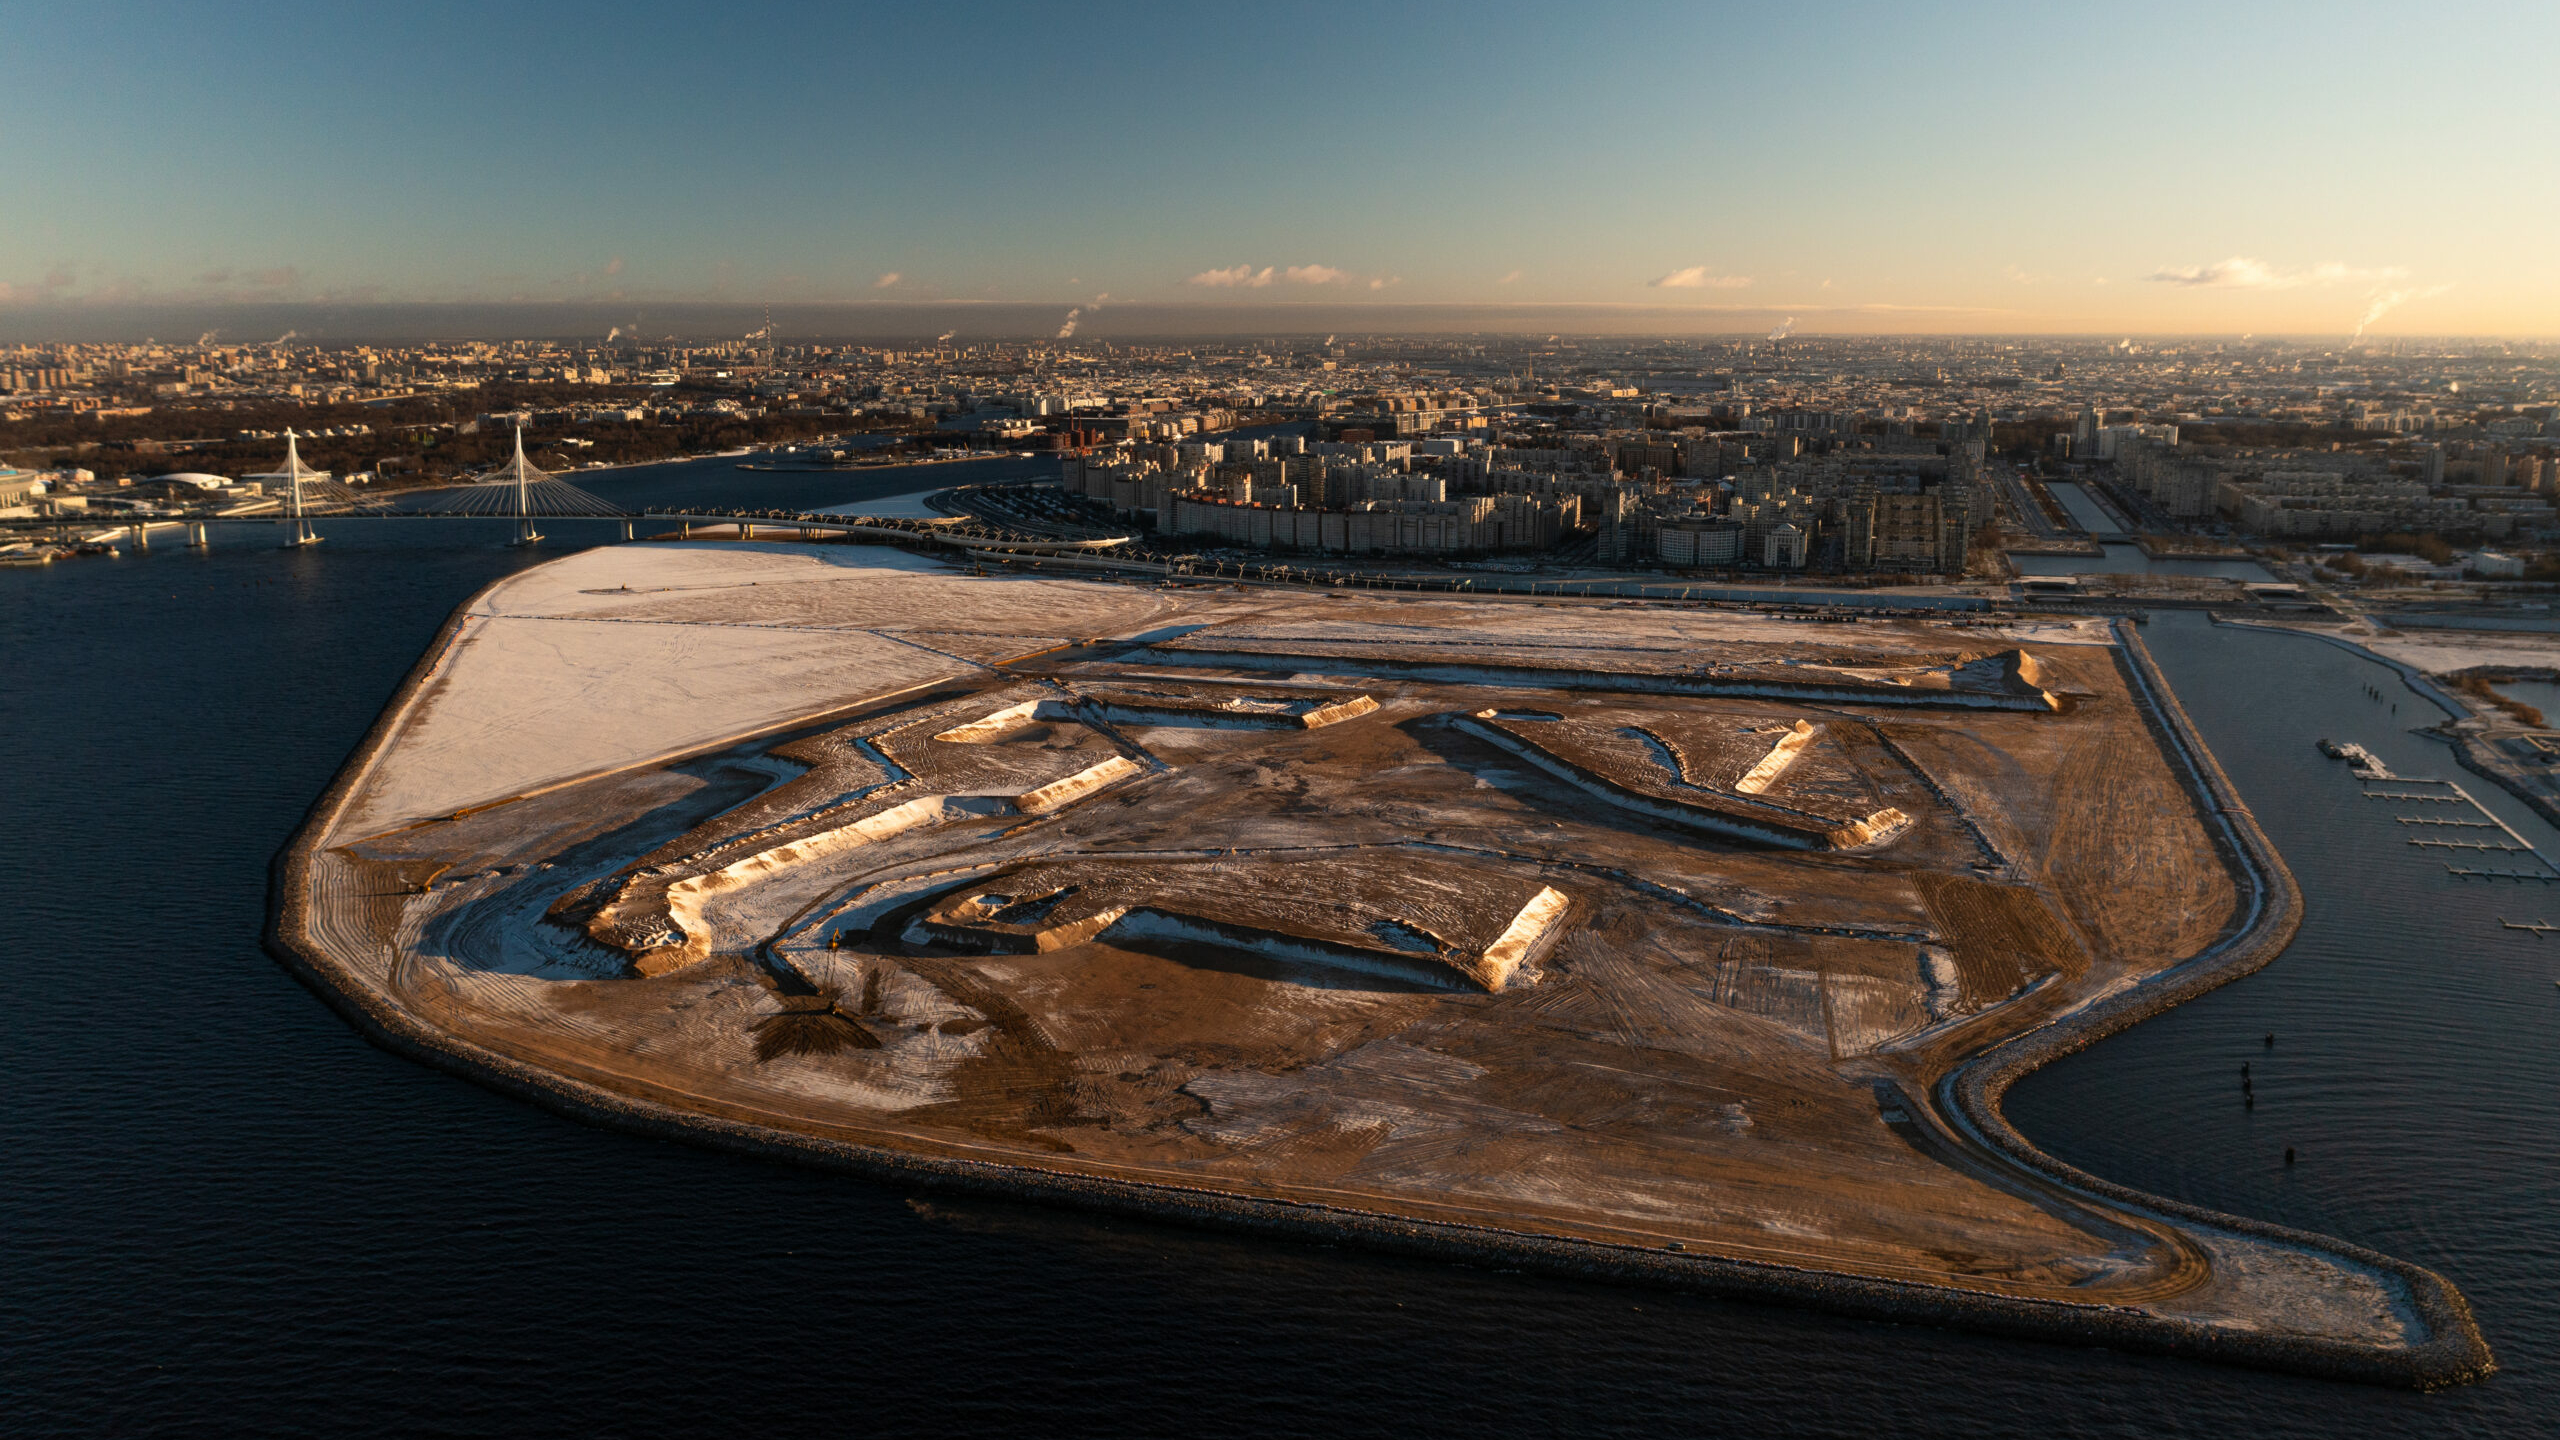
[(2412, 789)]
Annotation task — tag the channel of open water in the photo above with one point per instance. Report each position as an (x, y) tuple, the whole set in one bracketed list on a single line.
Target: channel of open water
[(225, 1214), (2084, 509), (2542, 695), (2128, 559)]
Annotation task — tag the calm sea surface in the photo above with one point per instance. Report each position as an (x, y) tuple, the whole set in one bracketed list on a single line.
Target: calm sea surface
[(224, 1214)]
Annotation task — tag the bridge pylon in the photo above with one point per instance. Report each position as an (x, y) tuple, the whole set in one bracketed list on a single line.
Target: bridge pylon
[(525, 533), (295, 471)]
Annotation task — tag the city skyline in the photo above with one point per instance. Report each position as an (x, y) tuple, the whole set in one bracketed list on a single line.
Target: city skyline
[(1841, 169)]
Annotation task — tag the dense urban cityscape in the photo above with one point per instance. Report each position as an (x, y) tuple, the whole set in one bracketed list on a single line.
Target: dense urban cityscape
[(1781, 454)]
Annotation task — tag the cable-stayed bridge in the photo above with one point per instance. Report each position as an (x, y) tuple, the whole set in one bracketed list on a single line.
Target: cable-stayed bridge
[(521, 492)]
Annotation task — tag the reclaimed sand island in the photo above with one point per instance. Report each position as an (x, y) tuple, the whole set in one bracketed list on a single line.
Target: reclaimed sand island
[(1687, 946)]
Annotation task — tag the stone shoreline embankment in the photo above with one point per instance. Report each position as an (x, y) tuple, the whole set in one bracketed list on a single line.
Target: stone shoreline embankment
[(2453, 1350), (2452, 1353)]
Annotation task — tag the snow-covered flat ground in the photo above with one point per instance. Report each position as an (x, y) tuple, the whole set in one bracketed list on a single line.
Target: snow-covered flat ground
[(2438, 651), (628, 653)]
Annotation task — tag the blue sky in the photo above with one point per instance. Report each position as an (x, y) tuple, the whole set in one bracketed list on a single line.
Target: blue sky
[(2273, 167)]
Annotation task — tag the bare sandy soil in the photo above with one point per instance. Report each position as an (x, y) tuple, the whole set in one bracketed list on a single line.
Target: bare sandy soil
[(1016, 870)]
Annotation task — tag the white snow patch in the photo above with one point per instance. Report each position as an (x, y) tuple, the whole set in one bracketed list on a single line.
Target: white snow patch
[(630, 653), (522, 704)]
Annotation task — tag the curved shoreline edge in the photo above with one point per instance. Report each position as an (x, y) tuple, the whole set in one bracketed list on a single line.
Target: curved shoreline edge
[(2453, 1351), (2410, 675), (2466, 748)]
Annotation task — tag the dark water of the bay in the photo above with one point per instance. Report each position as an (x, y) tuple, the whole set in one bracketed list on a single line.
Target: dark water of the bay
[(224, 1214)]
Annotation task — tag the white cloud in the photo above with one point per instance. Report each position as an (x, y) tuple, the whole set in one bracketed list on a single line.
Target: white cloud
[(1247, 277), (1696, 278), (1381, 282), (1511, 279), (885, 281), (2243, 272), (613, 266), (57, 283)]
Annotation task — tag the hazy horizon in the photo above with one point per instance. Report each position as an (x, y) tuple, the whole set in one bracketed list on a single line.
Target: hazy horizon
[(324, 323), (1981, 168)]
